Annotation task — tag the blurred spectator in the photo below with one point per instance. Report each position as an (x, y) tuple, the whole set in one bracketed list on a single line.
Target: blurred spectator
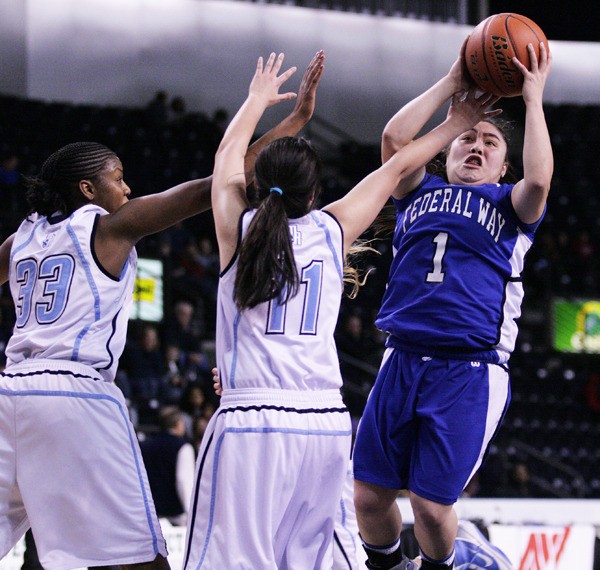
[(220, 119), (197, 369), (11, 191), (592, 392), (183, 328), (519, 482), (144, 365), (492, 476), (351, 337), (585, 262), (198, 429), (170, 461), (177, 111), (208, 258), (172, 388), (197, 276), (174, 241), (174, 358), (584, 247), (192, 404), (173, 382), (357, 350), (158, 110)]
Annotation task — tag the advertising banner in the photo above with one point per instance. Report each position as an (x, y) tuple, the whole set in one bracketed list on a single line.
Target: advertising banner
[(546, 547)]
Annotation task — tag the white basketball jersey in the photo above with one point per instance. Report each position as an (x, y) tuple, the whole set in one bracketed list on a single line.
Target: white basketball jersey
[(287, 346), (67, 307)]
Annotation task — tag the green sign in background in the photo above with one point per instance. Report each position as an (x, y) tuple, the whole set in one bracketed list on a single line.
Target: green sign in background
[(576, 325)]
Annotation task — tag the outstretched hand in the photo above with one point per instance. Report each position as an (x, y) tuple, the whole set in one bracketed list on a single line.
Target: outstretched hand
[(468, 109), (305, 104), (534, 79), (266, 83)]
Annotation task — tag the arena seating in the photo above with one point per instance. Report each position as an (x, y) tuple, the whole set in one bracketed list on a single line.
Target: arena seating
[(553, 424)]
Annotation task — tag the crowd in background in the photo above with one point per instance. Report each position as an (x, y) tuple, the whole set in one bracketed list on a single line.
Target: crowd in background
[(168, 364)]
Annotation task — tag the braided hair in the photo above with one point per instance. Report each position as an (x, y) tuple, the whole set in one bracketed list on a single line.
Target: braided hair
[(56, 186)]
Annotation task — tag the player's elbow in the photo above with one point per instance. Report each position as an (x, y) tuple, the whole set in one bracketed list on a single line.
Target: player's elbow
[(391, 143)]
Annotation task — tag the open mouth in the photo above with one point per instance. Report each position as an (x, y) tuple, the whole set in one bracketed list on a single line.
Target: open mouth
[(473, 160)]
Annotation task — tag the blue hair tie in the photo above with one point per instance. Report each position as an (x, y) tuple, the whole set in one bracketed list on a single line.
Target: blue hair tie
[(278, 190)]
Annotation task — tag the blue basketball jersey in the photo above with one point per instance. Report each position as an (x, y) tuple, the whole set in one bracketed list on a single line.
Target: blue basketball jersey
[(455, 286), (67, 306)]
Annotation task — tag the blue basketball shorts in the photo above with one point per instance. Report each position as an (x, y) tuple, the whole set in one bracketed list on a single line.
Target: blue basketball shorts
[(428, 423)]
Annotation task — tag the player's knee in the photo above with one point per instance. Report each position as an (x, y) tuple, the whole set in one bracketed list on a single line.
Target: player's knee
[(429, 514), (371, 499)]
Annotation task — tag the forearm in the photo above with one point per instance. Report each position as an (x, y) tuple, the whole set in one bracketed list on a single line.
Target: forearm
[(239, 132), (404, 126), (288, 127), (357, 210), (147, 215), (418, 153), (538, 160)]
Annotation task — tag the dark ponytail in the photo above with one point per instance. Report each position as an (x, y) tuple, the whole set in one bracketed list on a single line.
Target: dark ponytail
[(56, 187), (266, 268)]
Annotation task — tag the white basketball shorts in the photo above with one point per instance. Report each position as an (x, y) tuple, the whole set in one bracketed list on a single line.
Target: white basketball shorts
[(71, 468), (269, 479)]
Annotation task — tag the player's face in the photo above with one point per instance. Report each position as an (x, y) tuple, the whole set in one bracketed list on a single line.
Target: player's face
[(111, 190), (478, 156)]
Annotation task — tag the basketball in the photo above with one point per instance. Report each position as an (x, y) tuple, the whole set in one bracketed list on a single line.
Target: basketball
[(491, 47)]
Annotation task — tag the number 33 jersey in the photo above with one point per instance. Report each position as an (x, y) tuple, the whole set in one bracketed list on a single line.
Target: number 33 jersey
[(455, 285), (287, 345), (67, 306)]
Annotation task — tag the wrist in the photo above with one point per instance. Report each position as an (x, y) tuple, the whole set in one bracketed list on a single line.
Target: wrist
[(449, 86), (255, 100), (295, 122)]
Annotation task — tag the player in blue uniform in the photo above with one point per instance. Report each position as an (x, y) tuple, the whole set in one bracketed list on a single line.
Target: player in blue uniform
[(453, 296), (274, 457), (70, 465)]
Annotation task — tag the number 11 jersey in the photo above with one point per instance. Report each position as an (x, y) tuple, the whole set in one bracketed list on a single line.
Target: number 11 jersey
[(287, 345)]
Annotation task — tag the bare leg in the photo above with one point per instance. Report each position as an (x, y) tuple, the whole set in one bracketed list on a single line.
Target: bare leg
[(379, 519), (435, 527)]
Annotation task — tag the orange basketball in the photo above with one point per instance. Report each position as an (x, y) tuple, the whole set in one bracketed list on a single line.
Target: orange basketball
[(491, 47)]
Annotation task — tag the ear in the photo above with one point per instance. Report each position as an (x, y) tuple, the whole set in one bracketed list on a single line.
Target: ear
[(504, 169), (87, 189)]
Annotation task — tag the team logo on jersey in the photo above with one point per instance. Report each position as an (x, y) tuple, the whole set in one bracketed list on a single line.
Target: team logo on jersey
[(48, 239)]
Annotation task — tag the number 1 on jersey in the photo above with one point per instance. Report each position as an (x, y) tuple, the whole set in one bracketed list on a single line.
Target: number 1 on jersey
[(437, 275)]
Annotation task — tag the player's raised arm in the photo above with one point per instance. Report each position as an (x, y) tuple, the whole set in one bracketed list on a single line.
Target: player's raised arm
[(291, 125), (357, 210), (229, 182), (530, 194), (406, 124)]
